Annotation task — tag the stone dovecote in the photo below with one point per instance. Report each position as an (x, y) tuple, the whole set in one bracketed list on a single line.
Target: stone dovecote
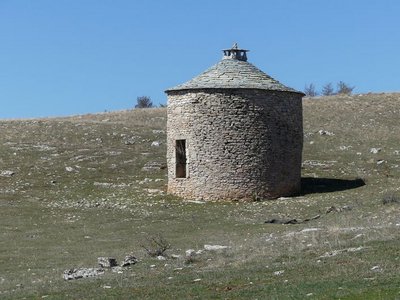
[(234, 133)]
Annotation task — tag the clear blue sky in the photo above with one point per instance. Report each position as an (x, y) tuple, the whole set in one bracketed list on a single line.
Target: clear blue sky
[(63, 57)]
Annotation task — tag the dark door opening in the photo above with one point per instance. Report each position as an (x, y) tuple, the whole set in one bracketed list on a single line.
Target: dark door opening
[(180, 157)]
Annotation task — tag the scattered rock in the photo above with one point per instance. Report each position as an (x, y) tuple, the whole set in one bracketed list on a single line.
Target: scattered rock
[(176, 256), (129, 140), (146, 180), (150, 166), (278, 273), (190, 253), (114, 153), (375, 150), (197, 280), (155, 144), (111, 185), (107, 262), (44, 147), (129, 260), (7, 173), (380, 161), (345, 147), (338, 209), (312, 229), (316, 163), (358, 236), (324, 132), (69, 169), (196, 201), (117, 269), (82, 273), (340, 251), (153, 191), (376, 269), (160, 257), (156, 131), (215, 247), (290, 221)]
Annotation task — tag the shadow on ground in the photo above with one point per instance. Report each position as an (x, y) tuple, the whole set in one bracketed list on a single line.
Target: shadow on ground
[(310, 185)]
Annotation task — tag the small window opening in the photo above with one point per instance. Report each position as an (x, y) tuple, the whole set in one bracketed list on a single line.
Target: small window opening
[(180, 150)]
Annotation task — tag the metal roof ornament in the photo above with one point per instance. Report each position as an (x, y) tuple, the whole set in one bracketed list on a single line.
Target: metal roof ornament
[(235, 53)]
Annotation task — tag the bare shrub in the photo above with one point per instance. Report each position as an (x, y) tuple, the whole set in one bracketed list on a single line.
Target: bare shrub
[(310, 90), (156, 245), (143, 102), (344, 89), (390, 198), (327, 90)]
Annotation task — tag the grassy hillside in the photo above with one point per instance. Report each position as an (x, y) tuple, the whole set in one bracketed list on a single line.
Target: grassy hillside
[(74, 189)]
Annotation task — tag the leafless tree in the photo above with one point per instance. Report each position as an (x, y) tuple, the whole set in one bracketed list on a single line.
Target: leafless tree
[(144, 102), (310, 91), (344, 88), (327, 89)]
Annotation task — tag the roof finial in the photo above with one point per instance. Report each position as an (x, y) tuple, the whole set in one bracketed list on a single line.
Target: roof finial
[(235, 53)]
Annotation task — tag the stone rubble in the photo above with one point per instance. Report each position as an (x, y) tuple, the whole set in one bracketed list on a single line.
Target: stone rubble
[(107, 262), (278, 273), (104, 263), (324, 132), (345, 147), (129, 260), (7, 173), (215, 247), (71, 274), (375, 150)]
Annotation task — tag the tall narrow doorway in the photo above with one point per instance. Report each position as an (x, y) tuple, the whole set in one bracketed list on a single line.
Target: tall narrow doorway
[(180, 156)]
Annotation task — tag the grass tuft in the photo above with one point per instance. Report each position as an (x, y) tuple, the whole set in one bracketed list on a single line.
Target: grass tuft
[(391, 198)]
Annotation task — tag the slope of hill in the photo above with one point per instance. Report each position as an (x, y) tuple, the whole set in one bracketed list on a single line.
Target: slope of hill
[(77, 188)]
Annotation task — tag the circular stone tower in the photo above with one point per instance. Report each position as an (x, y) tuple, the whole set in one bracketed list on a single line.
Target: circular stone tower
[(234, 133)]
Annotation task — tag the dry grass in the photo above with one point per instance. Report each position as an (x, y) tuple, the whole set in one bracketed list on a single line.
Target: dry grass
[(93, 185)]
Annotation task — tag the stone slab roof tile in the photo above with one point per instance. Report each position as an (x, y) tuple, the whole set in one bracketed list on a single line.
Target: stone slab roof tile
[(233, 73)]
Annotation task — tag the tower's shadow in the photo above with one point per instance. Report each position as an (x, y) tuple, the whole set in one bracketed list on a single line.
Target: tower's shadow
[(310, 185)]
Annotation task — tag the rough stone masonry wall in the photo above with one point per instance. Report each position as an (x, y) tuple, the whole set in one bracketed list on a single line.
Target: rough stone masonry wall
[(241, 143)]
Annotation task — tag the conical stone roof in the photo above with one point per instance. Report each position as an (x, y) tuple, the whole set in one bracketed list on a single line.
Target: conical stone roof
[(233, 72)]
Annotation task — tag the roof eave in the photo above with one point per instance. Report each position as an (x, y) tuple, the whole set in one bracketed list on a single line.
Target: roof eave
[(233, 88)]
